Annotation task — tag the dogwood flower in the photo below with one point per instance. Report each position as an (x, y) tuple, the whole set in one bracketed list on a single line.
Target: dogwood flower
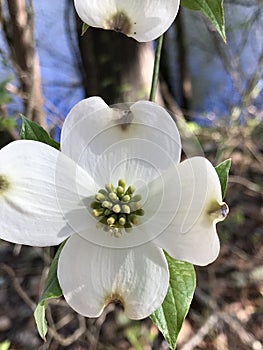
[(117, 192), (144, 20)]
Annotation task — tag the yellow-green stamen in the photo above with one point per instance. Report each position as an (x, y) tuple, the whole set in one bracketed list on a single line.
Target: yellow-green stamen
[(117, 208)]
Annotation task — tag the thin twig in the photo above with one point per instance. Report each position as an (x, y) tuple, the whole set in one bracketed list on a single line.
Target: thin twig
[(65, 341), (246, 183), (201, 333), (17, 286), (247, 338), (156, 68)]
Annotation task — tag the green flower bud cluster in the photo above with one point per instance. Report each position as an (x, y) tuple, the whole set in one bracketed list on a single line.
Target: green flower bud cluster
[(117, 208)]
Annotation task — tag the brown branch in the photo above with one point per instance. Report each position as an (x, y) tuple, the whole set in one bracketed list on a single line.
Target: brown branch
[(65, 341), (115, 67), (245, 337), (203, 331), (17, 286), (19, 34), (252, 186), (185, 80)]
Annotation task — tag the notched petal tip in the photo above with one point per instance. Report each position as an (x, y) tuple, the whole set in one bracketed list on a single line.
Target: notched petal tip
[(4, 184), (122, 116), (114, 298), (119, 22), (218, 211)]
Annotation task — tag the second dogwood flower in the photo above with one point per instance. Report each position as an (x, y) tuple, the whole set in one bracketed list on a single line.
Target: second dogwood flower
[(144, 20)]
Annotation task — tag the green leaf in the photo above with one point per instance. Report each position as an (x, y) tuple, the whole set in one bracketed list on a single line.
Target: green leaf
[(32, 131), (4, 96), (212, 9), (222, 170), (85, 27), (171, 314), (40, 319), (52, 290), (5, 345)]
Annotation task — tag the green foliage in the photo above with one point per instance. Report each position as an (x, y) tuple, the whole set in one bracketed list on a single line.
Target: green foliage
[(4, 96), (52, 290), (171, 314), (85, 27), (222, 170), (5, 345), (32, 131), (212, 9), (7, 124), (136, 336)]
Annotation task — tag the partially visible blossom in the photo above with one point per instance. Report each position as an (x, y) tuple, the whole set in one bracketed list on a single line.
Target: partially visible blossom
[(144, 20), (118, 193)]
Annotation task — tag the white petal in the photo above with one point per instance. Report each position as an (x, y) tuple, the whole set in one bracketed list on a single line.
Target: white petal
[(94, 12), (191, 235), (44, 196), (136, 143), (91, 276), (147, 19)]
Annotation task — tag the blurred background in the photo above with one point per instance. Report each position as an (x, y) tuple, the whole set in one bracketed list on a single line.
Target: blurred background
[(215, 92)]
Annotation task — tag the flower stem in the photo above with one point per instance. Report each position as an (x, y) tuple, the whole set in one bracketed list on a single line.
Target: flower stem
[(156, 68)]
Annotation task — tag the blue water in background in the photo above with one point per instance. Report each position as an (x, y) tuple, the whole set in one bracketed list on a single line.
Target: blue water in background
[(213, 89), (61, 81), (214, 92)]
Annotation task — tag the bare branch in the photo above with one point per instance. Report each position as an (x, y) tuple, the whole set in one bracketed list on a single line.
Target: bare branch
[(19, 34)]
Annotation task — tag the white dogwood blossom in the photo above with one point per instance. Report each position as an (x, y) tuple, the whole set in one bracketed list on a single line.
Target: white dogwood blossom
[(144, 20), (117, 192)]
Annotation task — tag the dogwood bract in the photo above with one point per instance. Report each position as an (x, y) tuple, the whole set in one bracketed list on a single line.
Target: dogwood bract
[(119, 194), (144, 20)]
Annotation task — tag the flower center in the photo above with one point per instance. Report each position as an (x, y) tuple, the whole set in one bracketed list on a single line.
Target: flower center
[(4, 184), (119, 22), (117, 208)]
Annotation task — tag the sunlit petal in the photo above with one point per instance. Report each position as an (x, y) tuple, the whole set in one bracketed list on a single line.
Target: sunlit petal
[(92, 276), (43, 188), (136, 142), (191, 234)]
